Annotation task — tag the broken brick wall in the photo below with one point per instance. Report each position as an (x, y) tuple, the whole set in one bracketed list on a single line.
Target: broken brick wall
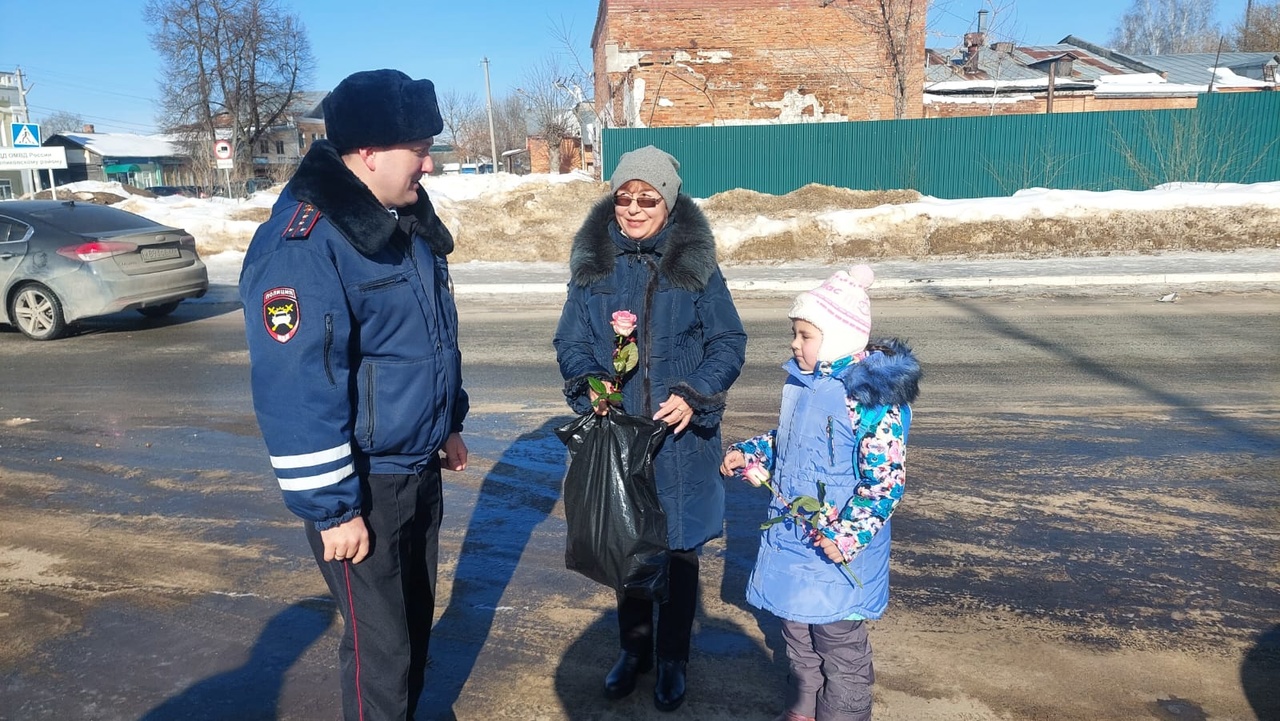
[(663, 63)]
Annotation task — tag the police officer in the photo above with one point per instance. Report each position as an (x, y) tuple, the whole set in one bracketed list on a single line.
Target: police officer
[(356, 374)]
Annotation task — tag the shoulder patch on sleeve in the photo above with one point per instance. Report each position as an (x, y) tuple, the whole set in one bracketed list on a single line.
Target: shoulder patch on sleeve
[(304, 219), (281, 313)]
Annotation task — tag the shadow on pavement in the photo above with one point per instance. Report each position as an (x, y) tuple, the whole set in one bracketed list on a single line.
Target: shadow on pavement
[(1260, 675), (1097, 367), (251, 691), (516, 495), (731, 675)]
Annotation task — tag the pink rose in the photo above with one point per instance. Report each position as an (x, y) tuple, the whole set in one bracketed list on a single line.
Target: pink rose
[(624, 323), (755, 473)]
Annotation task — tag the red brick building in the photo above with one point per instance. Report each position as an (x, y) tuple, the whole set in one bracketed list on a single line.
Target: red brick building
[(661, 63)]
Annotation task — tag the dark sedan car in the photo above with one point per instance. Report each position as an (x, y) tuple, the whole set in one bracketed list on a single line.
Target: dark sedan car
[(61, 261)]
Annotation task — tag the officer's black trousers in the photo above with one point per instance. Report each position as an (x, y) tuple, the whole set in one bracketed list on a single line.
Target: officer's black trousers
[(387, 600)]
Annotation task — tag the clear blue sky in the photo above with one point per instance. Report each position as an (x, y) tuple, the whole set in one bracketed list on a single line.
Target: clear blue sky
[(93, 58)]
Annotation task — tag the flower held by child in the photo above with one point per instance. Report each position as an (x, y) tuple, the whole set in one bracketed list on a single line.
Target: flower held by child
[(819, 517)]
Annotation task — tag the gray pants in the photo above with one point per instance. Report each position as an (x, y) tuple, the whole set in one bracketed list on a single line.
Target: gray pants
[(831, 672)]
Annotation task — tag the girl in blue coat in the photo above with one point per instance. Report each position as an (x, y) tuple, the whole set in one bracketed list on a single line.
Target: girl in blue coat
[(841, 437), (648, 250)]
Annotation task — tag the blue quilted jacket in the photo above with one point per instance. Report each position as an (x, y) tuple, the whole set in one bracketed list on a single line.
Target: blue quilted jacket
[(352, 334)]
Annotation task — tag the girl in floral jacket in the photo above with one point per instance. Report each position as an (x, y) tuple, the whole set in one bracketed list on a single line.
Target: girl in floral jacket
[(841, 438)]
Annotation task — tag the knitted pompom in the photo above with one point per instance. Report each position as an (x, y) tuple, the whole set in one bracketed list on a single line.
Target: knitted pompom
[(862, 276)]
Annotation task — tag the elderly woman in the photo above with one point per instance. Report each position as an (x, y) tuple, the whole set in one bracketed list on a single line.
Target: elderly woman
[(649, 250)]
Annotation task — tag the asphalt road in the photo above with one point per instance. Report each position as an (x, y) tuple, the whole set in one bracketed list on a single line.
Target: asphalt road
[(1090, 529)]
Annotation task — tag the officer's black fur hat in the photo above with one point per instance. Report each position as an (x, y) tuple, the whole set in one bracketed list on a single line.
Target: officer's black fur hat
[(375, 108)]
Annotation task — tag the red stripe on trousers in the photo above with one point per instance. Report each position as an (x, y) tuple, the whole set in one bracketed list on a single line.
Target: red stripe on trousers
[(355, 635)]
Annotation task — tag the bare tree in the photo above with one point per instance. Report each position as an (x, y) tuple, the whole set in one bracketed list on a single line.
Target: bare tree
[(465, 123), (457, 109), (580, 74), (550, 104), (1154, 27), (61, 121), (898, 26), (1258, 30), (236, 65), (511, 123)]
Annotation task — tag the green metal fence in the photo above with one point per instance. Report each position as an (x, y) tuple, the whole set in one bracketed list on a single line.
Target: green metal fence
[(1227, 138)]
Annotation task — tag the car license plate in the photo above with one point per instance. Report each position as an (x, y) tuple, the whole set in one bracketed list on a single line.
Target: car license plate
[(150, 254)]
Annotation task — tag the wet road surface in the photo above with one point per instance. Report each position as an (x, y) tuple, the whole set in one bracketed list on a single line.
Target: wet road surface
[(1090, 529)]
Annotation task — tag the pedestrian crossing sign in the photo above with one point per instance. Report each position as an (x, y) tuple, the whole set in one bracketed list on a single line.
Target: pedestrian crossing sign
[(25, 135)]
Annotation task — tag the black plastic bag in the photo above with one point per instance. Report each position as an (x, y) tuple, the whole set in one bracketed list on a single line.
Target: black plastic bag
[(617, 531)]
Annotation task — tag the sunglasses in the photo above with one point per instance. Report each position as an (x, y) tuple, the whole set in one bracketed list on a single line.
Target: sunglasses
[(644, 201)]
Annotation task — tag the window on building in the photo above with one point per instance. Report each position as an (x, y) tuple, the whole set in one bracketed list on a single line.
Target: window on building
[(263, 147), (279, 147), (6, 190)]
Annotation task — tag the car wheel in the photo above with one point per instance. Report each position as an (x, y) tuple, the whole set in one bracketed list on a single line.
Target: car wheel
[(159, 311), (37, 312)]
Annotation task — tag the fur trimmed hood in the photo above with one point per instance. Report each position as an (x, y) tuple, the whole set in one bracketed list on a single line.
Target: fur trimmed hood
[(323, 180), (688, 255), (889, 375)]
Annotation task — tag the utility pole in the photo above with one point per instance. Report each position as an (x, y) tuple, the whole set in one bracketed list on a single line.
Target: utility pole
[(29, 184), (488, 105)]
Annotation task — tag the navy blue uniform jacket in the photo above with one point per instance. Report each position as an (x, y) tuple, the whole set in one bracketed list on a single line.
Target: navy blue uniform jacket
[(352, 334)]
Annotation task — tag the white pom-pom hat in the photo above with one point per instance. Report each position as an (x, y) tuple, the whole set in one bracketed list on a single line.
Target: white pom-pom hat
[(841, 309)]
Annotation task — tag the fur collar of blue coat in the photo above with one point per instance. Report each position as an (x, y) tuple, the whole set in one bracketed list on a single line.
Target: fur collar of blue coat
[(688, 255), (323, 180), (889, 375)]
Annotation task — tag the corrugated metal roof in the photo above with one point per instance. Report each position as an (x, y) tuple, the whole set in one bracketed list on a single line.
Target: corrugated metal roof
[(991, 65), (1090, 62), (1017, 65), (1197, 68), (1086, 66)]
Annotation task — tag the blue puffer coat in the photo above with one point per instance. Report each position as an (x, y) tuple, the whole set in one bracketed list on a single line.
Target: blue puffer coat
[(823, 438), (690, 340), (352, 335)]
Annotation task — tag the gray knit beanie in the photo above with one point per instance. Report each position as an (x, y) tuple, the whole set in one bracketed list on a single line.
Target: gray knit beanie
[(653, 166)]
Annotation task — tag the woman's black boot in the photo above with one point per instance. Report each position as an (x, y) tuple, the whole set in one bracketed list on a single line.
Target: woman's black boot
[(668, 694), (621, 680)]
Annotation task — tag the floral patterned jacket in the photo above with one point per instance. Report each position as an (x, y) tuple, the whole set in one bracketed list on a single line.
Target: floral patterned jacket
[(842, 436)]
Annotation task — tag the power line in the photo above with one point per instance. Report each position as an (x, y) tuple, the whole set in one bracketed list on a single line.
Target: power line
[(53, 78), (46, 111)]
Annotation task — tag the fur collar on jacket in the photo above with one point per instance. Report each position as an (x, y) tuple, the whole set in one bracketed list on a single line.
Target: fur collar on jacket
[(325, 182), (688, 254), (885, 377)]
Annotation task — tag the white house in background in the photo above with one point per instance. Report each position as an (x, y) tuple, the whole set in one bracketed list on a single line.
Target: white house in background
[(138, 160)]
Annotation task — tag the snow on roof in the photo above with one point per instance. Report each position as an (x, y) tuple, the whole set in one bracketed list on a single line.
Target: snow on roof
[(951, 86), (125, 145), (931, 99), (1142, 84), (1227, 78)]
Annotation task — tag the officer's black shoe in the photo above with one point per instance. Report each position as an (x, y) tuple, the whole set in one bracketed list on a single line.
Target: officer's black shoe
[(668, 694), (621, 680)]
